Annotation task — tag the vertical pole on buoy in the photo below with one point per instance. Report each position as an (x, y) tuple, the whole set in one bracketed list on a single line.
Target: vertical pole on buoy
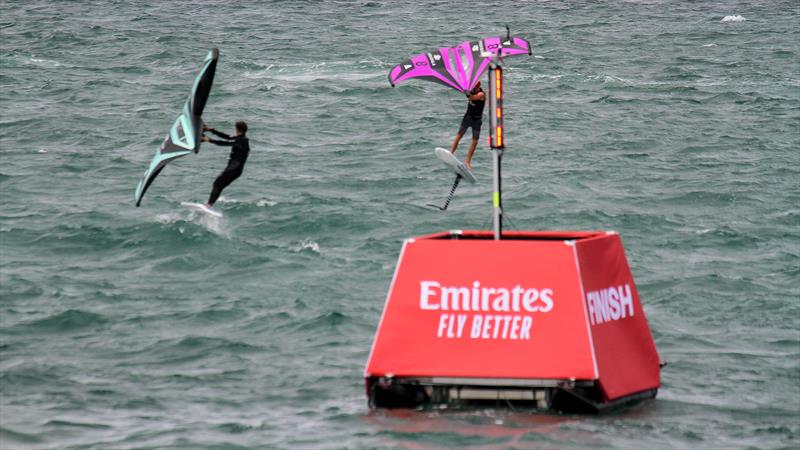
[(496, 138)]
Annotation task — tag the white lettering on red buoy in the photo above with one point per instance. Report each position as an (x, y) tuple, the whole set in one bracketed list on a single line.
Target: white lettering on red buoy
[(425, 292), (434, 296), (505, 326), (455, 298), (610, 304), (451, 325), (492, 312)]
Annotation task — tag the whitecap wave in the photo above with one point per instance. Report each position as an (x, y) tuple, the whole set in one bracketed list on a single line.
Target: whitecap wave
[(323, 76), (168, 218), (307, 244), (733, 19), (41, 62), (260, 203)]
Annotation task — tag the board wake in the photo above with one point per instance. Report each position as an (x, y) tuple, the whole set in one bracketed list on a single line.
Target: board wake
[(199, 207)]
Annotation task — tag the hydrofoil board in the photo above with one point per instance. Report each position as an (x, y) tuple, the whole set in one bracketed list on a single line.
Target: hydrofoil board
[(454, 164), (199, 207)]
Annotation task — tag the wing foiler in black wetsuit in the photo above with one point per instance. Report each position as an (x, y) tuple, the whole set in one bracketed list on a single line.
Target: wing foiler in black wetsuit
[(240, 149), (473, 116)]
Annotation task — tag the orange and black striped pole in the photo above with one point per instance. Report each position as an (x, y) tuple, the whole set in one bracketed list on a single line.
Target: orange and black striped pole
[(496, 139)]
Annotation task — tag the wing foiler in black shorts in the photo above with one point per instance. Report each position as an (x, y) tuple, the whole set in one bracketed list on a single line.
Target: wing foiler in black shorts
[(470, 122)]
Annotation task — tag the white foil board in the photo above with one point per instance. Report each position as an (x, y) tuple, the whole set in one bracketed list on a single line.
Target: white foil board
[(454, 164)]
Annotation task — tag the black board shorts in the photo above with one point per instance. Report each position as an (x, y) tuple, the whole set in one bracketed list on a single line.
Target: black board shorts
[(471, 122)]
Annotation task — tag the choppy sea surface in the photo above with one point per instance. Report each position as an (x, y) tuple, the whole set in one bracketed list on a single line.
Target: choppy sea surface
[(676, 124)]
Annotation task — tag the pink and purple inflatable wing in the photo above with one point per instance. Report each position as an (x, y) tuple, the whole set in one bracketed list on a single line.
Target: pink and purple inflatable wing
[(458, 67)]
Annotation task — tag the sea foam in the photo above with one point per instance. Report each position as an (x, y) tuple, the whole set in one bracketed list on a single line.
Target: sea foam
[(733, 19)]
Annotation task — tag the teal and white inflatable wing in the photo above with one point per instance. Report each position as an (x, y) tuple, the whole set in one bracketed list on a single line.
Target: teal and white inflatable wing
[(184, 136)]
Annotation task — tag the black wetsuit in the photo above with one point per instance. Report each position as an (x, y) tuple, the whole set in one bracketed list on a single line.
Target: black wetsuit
[(473, 117), (240, 148)]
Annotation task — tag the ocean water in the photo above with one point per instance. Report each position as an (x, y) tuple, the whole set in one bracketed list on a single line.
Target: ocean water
[(676, 124)]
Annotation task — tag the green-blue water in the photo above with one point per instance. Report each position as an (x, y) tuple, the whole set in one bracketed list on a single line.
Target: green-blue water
[(124, 327)]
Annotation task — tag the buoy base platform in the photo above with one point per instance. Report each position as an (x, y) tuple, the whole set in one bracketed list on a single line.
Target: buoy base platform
[(546, 320)]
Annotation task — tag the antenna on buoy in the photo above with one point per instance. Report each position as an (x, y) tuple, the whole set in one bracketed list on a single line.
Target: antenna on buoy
[(496, 139)]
